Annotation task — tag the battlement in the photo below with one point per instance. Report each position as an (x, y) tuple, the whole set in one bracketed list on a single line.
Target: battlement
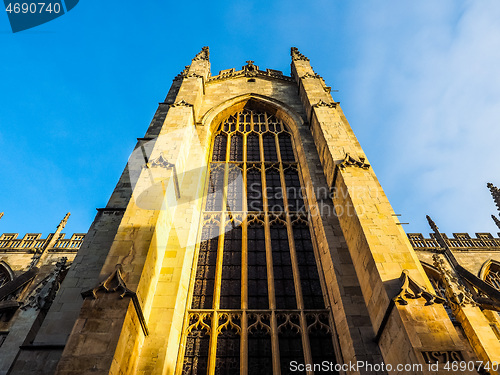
[(9, 242), (459, 242), (250, 70)]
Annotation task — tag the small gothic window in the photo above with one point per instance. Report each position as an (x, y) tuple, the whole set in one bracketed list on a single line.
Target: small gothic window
[(492, 274), (5, 273), (435, 279)]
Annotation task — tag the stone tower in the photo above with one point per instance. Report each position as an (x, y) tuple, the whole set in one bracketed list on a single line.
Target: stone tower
[(248, 234)]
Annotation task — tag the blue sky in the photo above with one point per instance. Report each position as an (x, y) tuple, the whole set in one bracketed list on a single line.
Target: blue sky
[(418, 82)]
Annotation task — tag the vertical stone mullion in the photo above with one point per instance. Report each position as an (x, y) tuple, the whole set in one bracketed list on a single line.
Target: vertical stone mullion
[(291, 244), (212, 353), (244, 264), (305, 341), (244, 344), (275, 344), (295, 267)]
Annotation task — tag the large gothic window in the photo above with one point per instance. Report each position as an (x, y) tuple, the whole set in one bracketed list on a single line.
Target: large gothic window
[(256, 297)]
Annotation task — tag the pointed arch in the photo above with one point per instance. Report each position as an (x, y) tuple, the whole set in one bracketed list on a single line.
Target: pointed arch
[(6, 273), (264, 255), (215, 115), (490, 272)]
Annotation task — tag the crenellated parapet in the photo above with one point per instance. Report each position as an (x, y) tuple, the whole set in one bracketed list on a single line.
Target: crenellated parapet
[(459, 242), (250, 70), (32, 242)]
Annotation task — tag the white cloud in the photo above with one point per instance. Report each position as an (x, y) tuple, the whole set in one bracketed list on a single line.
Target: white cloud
[(428, 78)]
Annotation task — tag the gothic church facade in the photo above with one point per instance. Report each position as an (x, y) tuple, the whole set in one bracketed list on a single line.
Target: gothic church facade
[(249, 234)]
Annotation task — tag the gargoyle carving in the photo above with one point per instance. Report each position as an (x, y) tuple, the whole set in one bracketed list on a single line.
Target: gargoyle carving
[(411, 289), (181, 103), (321, 103), (351, 161), (114, 283), (309, 75)]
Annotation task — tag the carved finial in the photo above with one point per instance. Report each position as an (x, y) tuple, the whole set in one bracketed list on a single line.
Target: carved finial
[(495, 193), (439, 236), (250, 69), (495, 219), (432, 224), (204, 54), (296, 55), (64, 221), (455, 290), (1, 215)]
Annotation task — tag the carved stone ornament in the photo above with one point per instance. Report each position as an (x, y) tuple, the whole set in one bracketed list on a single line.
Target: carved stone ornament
[(181, 103), (309, 75), (411, 289), (455, 291), (247, 72), (43, 295), (204, 54), (321, 103), (296, 55), (350, 161), (161, 162), (115, 283)]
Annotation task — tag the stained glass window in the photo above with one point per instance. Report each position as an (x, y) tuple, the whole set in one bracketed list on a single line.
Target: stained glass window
[(256, 293)]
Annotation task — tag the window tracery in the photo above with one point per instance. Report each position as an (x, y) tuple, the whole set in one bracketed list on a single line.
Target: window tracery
[(492, 275), (5, 273), (256, 293)]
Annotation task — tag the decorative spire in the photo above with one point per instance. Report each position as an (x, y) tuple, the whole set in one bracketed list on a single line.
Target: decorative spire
[(63, 222), (495, 193), (442, 242), (432, 224), (1, 215), (495, 219), (39, 256), (296, 55), (204, 54)]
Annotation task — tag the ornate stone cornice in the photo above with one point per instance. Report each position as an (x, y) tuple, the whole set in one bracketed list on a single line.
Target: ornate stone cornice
[(296, 55), (269, 73)]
